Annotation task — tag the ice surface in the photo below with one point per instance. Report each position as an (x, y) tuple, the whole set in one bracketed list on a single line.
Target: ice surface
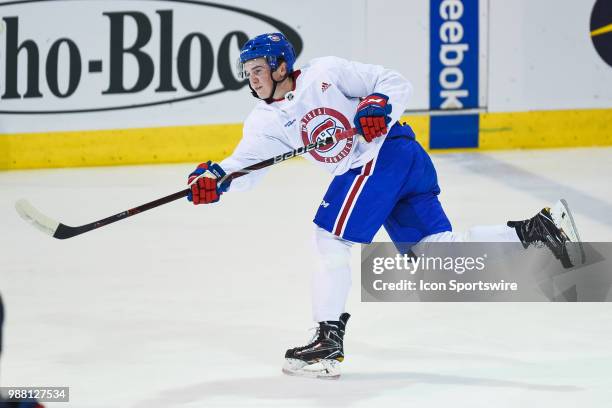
[(188, 306)]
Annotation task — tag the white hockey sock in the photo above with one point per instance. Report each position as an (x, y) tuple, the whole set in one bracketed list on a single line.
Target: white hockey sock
[(331, 282), (480, 233)]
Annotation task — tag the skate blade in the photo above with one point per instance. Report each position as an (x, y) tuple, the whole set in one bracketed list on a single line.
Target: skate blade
[(324, 369), (563, 219)]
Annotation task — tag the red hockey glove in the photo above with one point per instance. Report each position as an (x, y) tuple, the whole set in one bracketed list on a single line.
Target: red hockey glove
[(203, 182), (372, 116)]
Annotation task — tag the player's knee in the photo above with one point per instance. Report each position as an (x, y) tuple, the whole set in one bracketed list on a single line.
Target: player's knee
[(334, 252), (327, 241)]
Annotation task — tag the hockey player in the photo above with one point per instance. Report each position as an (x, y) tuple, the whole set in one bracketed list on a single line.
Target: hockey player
[(382, 178)]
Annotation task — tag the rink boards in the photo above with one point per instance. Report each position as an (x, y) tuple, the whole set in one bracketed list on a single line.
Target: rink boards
[(121, 82), (508, 130)]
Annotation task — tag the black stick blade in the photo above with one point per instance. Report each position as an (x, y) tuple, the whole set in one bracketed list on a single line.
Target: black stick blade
[(65, 231)]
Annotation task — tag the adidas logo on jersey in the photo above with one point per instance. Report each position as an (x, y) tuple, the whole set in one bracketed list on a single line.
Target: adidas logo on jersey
[(324, 86)]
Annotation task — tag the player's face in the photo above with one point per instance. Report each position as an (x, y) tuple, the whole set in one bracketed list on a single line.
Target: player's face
[(258, 72)]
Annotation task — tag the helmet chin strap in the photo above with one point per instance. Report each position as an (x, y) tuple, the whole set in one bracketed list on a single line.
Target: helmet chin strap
[(270, 98)]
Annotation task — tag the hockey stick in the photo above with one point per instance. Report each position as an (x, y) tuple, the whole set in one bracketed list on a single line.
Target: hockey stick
[(61, 231)]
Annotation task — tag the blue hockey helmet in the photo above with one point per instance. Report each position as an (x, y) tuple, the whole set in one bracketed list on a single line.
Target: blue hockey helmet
[(274, 47)]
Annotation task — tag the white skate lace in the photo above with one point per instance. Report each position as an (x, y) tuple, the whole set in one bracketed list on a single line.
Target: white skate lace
[(314, 337)]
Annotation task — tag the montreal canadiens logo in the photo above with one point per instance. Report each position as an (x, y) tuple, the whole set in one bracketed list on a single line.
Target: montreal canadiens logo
[(320, 123)]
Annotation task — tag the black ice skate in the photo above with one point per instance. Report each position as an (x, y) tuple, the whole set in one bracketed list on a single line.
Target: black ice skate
[(322, 357), (555, 228)]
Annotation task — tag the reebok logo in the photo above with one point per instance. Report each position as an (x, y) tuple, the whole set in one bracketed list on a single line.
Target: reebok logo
[(291, 122), (452, 54), (324, 204), (324, 86)]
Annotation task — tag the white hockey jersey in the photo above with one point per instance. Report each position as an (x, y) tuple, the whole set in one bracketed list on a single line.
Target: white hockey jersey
[(324, 101)]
